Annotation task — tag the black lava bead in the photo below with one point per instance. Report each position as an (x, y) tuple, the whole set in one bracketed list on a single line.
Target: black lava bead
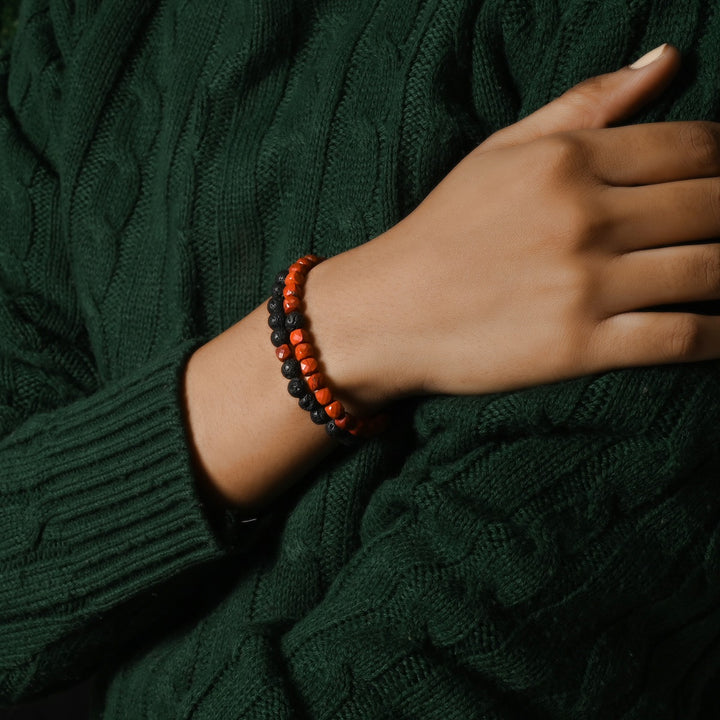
[(294, 321), (319, 416), (307, 402), (275, 305), (297, 387), (277, 321), (280, 337), (291, 369), (342, 436)]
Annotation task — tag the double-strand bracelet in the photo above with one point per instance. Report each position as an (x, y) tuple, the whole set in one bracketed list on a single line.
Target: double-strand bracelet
[(294, 348)]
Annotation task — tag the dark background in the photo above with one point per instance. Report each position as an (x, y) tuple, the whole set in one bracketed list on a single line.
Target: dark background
[(72, 705)]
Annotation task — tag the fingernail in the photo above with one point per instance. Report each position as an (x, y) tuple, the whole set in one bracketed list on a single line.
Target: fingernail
[(649, 57)]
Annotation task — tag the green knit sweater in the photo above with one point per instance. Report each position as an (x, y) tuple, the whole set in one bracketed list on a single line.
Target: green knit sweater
[(551, 553)]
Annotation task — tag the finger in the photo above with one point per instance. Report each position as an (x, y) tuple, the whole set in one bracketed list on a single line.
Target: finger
[(594, 103), (653, 338), (662, 276), (651, 153), (666, 214)]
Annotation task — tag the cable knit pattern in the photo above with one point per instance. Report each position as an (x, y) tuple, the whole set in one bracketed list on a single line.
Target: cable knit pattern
[(550, 553)]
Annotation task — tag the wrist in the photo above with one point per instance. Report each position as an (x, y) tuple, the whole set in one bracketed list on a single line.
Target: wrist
[(361, 346)]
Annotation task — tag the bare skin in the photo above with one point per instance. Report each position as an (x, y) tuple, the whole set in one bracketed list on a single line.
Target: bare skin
[(530, 262)]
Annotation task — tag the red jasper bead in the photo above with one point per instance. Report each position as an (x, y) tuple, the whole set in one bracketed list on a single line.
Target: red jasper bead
[(308, 366), (315, 382), (291, 303), (298, 337), (308, 262), (296, 268), (283, 352), (336, 412), (291, 288), (304, 350), (295, 277), (323, 396)]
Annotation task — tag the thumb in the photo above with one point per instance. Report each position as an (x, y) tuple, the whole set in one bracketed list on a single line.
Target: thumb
[(595, 102)]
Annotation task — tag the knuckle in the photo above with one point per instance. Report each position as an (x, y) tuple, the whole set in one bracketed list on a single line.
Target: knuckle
[(563, 154), (702, 141), (580, 221), (684, 338)]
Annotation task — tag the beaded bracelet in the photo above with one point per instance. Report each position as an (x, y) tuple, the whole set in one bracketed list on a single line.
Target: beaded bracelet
[(294, 348)]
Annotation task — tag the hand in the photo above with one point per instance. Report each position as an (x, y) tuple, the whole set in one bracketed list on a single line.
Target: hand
[(529, 263)]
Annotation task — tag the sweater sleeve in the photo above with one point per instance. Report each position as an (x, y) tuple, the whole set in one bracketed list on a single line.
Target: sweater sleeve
[(99, 501)]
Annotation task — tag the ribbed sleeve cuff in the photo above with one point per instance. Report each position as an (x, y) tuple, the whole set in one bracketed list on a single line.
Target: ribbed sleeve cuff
[(101, 500)]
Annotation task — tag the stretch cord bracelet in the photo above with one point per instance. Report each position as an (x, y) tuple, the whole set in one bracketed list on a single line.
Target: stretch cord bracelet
[(294, 348)]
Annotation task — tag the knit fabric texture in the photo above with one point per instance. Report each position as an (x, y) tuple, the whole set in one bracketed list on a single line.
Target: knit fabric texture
[(550, 553)]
